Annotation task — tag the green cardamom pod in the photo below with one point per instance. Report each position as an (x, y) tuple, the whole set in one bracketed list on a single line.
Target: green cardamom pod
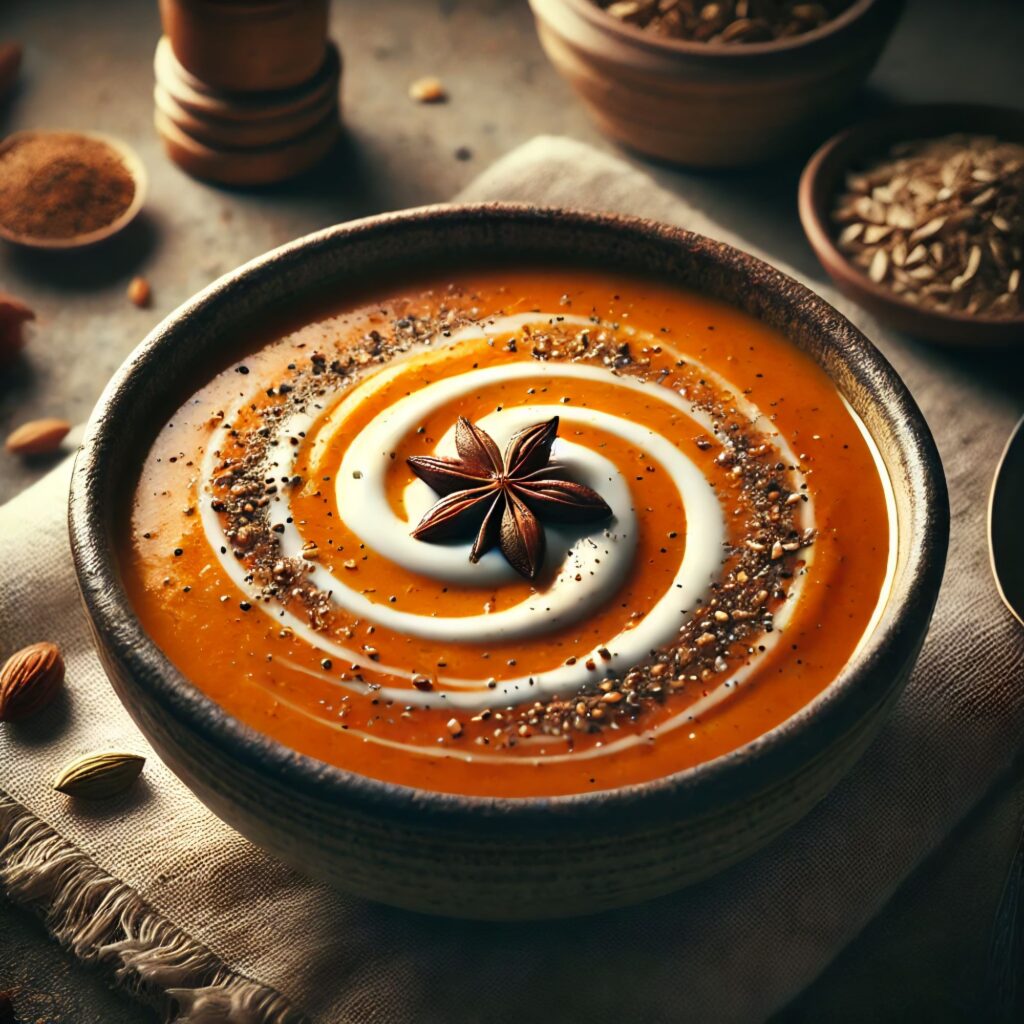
[(99, 775)]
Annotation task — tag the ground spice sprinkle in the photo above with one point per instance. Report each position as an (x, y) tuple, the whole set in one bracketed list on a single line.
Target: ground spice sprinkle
[(61, 185), (719, 636)]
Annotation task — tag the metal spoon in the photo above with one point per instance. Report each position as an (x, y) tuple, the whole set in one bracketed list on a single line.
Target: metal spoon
[(1006, 524)]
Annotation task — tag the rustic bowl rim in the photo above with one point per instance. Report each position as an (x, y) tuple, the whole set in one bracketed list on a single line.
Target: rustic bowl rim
[(839, 153), (861, 686), (136, 168), (992, 529), (598, 19)]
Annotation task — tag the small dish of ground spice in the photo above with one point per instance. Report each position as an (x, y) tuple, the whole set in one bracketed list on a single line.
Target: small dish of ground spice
[(64, 190), (919, 217)]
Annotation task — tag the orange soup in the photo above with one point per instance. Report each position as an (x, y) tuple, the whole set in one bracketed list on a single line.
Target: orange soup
[(514, 532)]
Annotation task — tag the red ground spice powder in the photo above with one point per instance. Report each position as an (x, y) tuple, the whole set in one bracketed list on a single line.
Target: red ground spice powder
[(61, 185)]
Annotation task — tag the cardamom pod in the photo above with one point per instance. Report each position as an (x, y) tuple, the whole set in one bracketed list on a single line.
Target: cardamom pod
[(99, 775)]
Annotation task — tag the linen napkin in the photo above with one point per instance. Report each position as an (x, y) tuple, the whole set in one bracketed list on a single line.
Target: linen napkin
[(188, 913)]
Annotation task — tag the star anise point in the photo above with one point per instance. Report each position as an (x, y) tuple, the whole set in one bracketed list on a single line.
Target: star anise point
[(502, 498)]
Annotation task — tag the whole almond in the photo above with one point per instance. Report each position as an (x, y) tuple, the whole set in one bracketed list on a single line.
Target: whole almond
[(428, 90), (29, 680), (99, 775), (37, 437), (13, 316), (139, 292), (10, 65)]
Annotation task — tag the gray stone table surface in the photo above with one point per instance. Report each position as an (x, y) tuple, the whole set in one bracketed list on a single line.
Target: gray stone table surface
[(89, 66)]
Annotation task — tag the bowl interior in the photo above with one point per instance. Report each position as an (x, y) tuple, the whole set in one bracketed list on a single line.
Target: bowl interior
[(183, 351), (597, 17), (825, 175)]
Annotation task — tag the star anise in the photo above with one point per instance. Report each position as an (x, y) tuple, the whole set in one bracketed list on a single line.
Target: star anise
[(503, 499)]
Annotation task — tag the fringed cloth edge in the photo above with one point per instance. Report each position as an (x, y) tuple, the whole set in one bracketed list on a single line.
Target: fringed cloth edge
[(104, 922)]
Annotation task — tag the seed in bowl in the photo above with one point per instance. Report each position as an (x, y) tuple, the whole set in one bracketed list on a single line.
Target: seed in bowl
[(940, 222), (726, 21)]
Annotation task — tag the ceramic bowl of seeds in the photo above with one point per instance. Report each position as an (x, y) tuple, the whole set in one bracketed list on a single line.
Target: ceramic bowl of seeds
[(67, 190), (714, 83), (919, 217)]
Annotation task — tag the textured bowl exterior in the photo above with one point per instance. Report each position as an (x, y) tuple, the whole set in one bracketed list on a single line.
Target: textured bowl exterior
[(499, 858), (711, 104), (825, 176)]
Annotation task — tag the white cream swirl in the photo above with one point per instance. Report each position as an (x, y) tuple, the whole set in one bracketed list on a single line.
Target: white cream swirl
[(602, 555)]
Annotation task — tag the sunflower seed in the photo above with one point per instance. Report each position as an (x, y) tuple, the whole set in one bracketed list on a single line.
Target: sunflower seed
[(940, 222)]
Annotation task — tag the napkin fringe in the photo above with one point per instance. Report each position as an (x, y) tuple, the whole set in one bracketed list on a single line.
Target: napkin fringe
[(102, 921)]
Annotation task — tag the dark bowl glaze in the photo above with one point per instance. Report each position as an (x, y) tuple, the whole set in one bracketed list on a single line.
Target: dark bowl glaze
[(825, 175), (712, 104), (498, 857)]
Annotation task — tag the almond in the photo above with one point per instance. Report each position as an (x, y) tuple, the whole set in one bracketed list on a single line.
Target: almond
[(13, 315), (428, 90), (29, 680), (38, 437), (139, 292), (10, 65)]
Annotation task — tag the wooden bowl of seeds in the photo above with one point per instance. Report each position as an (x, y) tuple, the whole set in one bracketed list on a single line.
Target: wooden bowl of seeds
[(714, 84), (918, 216)]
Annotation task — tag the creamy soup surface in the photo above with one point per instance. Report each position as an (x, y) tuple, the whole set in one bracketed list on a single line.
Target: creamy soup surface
[(513, 532)]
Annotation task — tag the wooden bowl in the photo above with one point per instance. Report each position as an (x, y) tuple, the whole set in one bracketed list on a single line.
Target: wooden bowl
[(135, 168), (824, 177), (500, 858), (711, 104)]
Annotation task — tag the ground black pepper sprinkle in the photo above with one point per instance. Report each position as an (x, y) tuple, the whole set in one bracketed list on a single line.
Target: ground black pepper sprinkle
[(717, 636)]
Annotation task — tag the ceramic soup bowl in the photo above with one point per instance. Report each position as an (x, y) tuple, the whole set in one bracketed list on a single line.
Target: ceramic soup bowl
[(501, 858)]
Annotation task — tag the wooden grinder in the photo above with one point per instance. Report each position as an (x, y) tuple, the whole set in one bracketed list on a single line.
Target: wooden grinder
[(246, 90)]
